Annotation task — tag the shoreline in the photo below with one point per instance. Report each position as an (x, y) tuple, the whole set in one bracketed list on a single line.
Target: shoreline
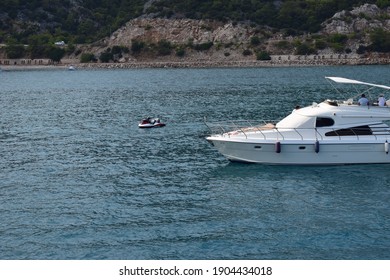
[(204, 64)]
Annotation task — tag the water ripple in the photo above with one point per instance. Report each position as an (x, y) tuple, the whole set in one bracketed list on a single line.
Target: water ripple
[(79, 180)]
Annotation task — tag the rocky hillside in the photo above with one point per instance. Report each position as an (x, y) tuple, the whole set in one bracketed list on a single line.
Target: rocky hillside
[(361, 20), (349, 31), (85, 21), (359, 31)]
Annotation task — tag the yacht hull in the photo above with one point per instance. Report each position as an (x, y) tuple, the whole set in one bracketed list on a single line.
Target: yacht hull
[(304, 153)]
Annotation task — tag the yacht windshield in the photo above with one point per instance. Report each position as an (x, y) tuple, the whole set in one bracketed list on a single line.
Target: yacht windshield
[(297, 121)]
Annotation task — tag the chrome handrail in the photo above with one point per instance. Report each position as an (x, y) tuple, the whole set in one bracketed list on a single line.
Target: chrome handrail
[(226, 129)]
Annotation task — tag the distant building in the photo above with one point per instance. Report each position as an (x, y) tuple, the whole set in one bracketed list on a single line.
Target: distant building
[(59, 43)]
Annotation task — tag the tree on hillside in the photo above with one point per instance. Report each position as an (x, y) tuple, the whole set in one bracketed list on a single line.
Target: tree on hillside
[(380, 41), (55, 53), (15, 51)]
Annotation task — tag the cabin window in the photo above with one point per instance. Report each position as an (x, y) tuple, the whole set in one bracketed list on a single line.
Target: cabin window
[(321, 122), (353, 131)]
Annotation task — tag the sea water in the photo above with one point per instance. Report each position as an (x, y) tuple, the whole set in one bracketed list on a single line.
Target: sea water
[(80, 180)]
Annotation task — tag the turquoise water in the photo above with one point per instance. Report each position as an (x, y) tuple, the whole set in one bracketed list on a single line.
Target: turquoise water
[(80, 180)]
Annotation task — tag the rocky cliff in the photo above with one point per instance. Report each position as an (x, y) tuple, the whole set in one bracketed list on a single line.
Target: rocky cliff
[(241, 41), (181, 31), (226, 40), (360, 20)]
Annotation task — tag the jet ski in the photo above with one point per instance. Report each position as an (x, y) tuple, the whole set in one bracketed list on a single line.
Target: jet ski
[(151, 123)]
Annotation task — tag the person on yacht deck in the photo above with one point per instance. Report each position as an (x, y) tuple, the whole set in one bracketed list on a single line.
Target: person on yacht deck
[(363, 101), (381, 101)]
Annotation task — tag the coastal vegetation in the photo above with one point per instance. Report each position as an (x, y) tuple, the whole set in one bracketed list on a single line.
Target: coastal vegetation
[(76, 21), (86, 21), (296, 15), (32, 28)]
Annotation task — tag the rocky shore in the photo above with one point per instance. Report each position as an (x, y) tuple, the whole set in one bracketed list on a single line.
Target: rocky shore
[(276, 61)]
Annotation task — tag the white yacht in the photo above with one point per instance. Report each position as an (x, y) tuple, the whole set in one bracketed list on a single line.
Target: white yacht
[(328, 133)]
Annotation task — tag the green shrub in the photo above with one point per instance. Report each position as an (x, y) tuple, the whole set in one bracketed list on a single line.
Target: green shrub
[(87, 57), (255, 41), (337, 47), (137, 46), (36, 51), (305, 49), (380, 41), (247, 52), (106, 57), (15, 51), (263, 55), (180, 52), (55, 54), (164, 47), (70, 48), (338, 38), (203, 46), (284, 45), (116, 50), (361, 49), (320, 44)]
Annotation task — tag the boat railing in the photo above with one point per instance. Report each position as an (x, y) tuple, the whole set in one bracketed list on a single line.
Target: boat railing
[(234, 128)]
